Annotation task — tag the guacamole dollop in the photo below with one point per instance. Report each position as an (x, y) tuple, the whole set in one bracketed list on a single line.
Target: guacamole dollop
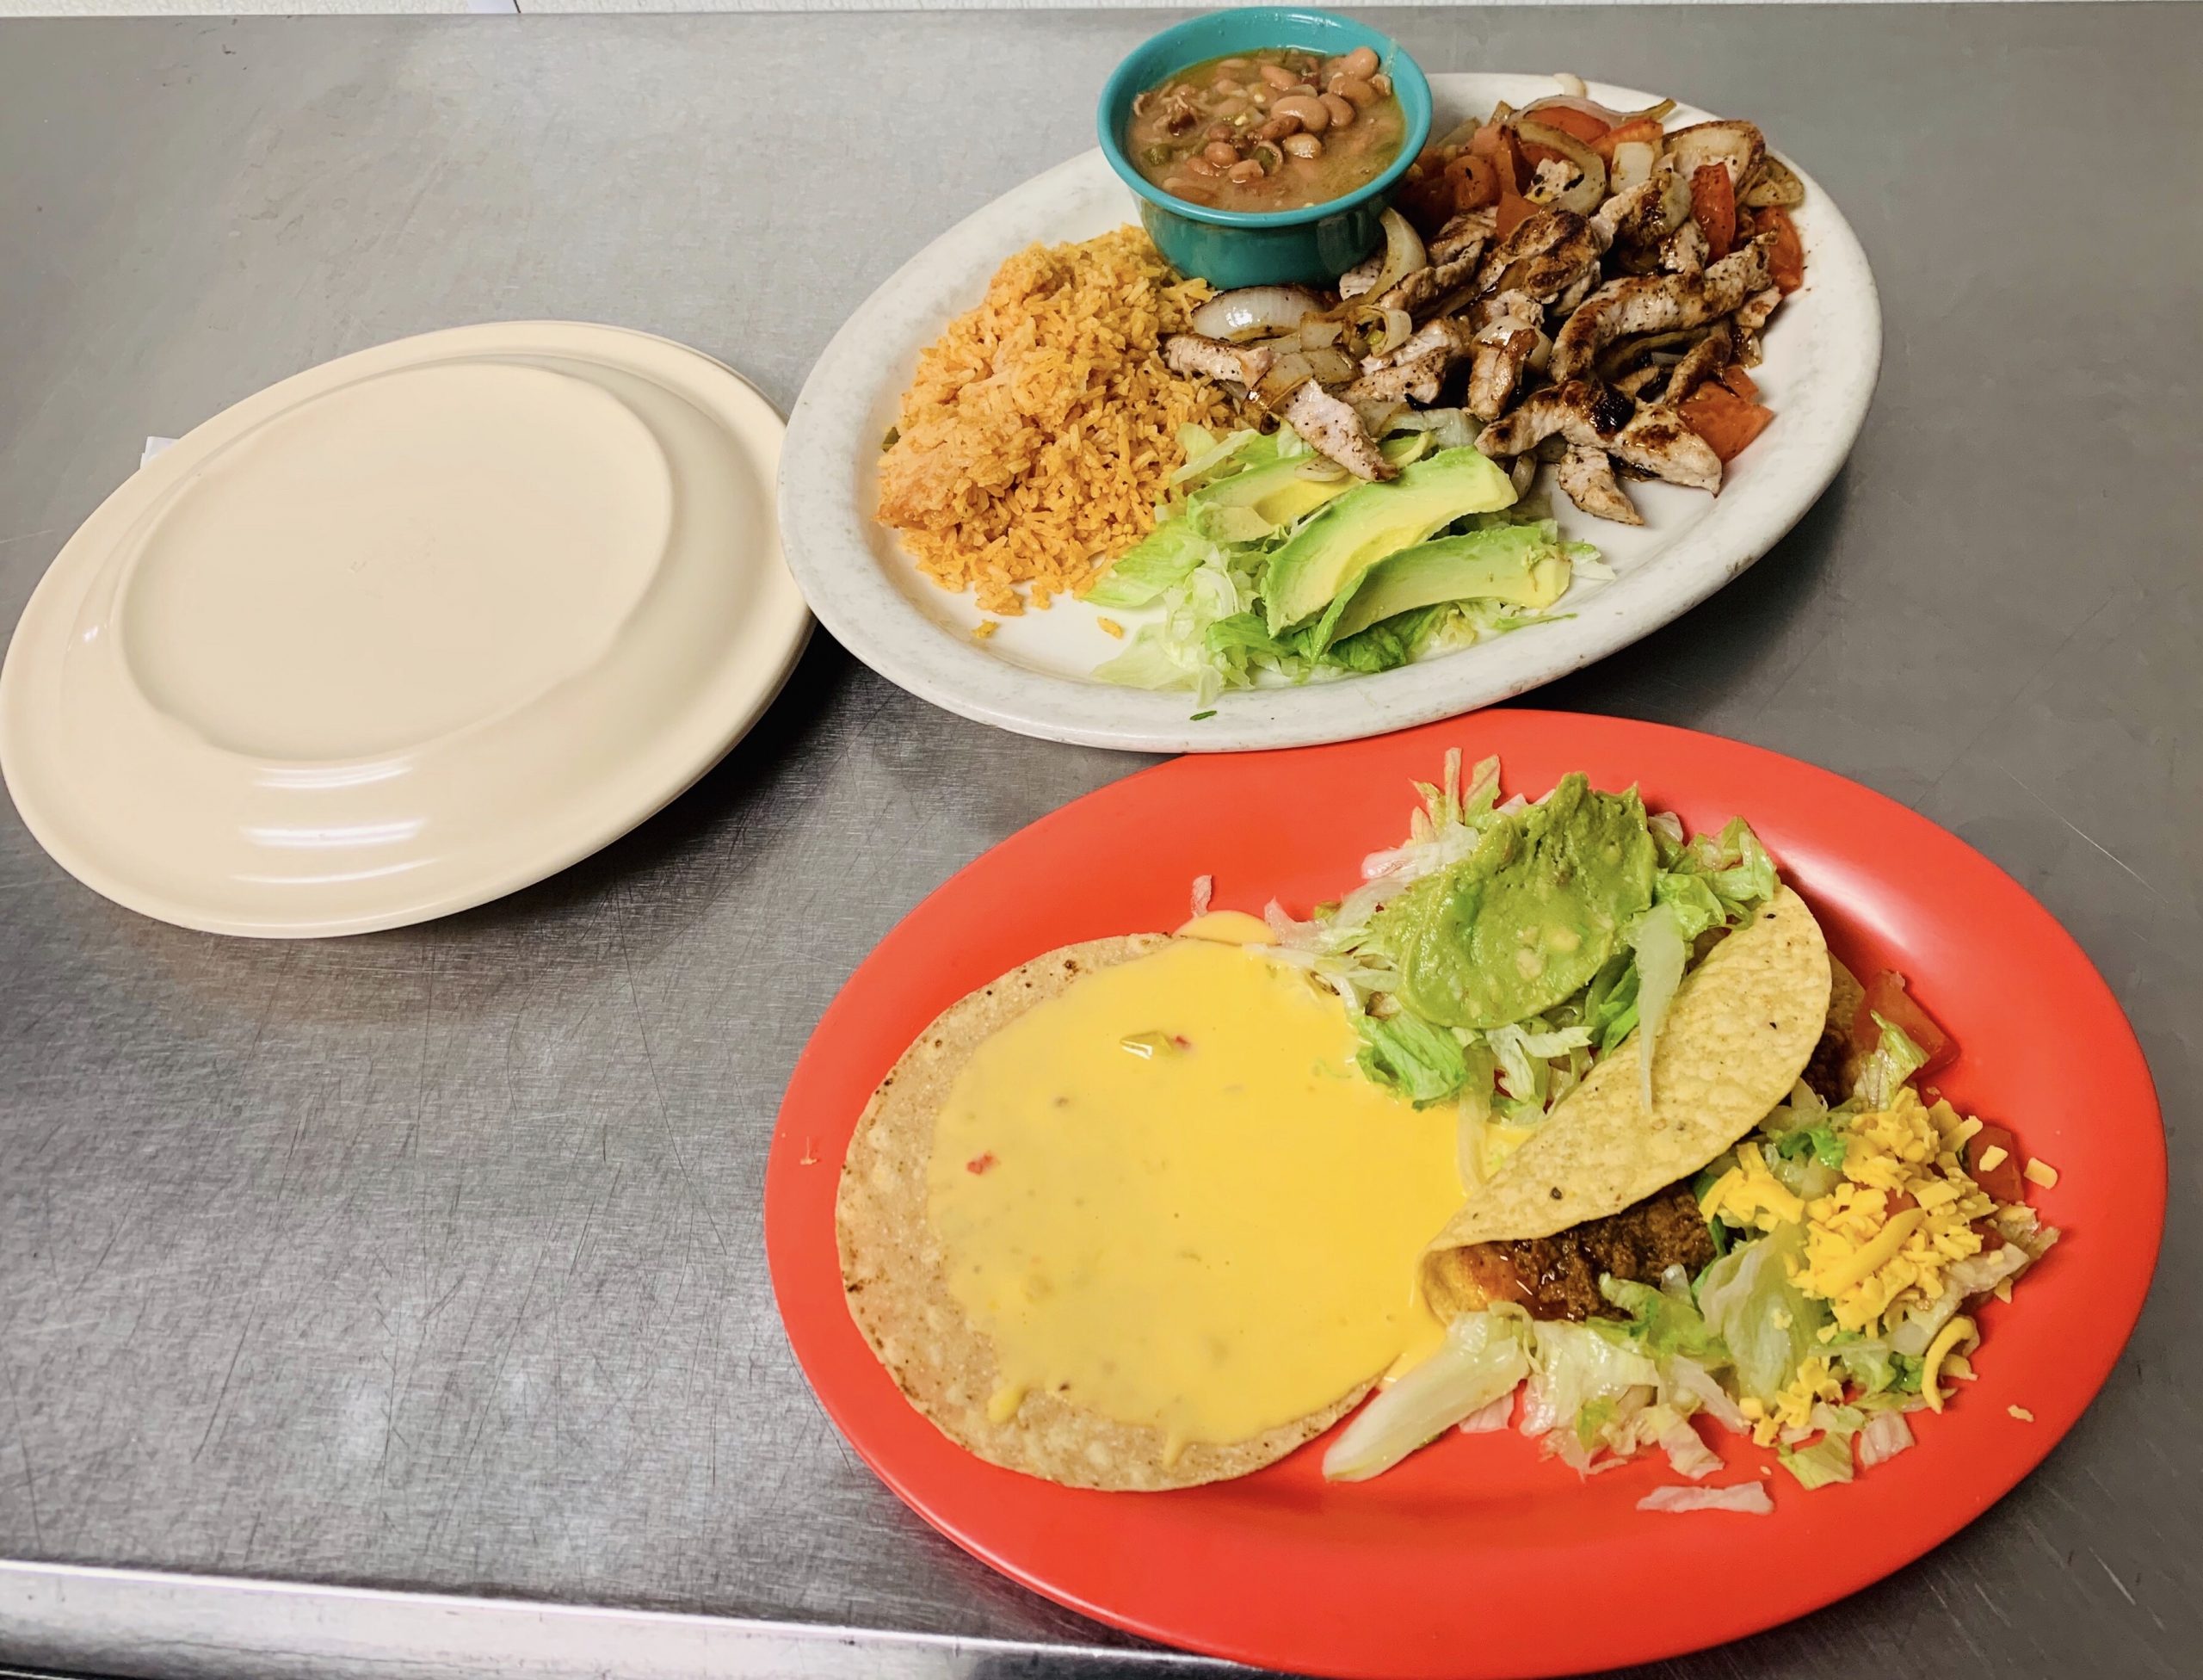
[(1527, 918)]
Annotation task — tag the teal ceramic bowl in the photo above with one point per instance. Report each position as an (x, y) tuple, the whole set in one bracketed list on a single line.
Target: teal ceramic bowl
[(1231, 248)]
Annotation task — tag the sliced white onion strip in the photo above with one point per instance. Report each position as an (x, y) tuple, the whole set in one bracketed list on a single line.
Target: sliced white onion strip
[(1404, 254), (1255, 308)]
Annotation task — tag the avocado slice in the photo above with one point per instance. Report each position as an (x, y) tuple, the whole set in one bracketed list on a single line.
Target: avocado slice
[(1515, 563), (1276, 492), (1333, 549)]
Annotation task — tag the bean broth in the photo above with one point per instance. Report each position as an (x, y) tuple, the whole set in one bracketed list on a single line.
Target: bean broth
[(1278, 129)]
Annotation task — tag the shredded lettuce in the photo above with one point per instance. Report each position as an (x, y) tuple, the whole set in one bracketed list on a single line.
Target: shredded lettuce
[(1828, 1460), (1661, 1323), (1482, 1358), (1768, 1323), (1820, 1141), (1895, 1060), (1425, 1064), (1165, 557), (1577, 1367)]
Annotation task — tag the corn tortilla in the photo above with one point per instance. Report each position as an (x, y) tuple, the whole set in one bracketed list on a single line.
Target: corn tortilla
[(1742, 1028), (892, 1279)]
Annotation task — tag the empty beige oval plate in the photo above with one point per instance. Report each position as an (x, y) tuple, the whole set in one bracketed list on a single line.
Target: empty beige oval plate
[(405, 632)]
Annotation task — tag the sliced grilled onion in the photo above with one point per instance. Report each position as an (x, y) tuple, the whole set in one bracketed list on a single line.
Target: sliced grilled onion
[(1376, 418), (1327, 366), (1774, 184), (1287, 373), (1256, 309), (1575, 102), (1738, 145), (1323, 330), (1399, 327), (1590, 191), (1404, 254), (1634, 161)]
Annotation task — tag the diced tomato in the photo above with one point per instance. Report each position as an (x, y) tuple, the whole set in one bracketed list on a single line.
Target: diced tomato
[(1578, 124), (1991, 1238), (1534, 154), (2003, 1181), (1426, 194), (1484, 143), (1887, 998), (1514, 173), (1713, 207), (1788, 260), (1513, 208), (1644, 129), (1740, 382), (1724, 419), (1474, 182), (980, 1163), (1897, 1200), (1426, 200)]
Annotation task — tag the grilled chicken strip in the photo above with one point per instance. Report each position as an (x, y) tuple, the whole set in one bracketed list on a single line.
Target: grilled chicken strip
[(1416, 369), (1588, 477), (1685, 250), (1468, 228), (1333, 429), (1658, 303), (1213, 358), (1704, 361), (1506, 337), (1557, 1276), (1426, 285), (1550, 251), (1361, 277), (1650, 438), (1757, 307), (1633, 225)]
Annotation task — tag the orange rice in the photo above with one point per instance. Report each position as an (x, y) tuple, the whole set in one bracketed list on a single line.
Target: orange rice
[(1035, 442)]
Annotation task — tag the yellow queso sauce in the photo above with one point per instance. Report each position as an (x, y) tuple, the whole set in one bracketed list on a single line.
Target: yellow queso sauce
[(1167, 1196)]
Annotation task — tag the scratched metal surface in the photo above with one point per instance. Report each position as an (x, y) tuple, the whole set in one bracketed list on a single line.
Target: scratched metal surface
[(431, 1260)]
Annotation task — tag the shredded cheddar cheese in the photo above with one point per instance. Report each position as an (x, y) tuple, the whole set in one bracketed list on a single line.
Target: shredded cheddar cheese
[(2040, 1172), (1883, 1238), (1941, 1351), (1792, 1408)]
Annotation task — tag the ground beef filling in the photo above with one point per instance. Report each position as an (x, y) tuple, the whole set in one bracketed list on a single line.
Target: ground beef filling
[(1557, 1276), (1824, 1072)]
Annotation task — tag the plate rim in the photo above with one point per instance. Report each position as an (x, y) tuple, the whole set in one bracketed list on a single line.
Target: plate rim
[(801, 1143), (790, 630), (823, 528)]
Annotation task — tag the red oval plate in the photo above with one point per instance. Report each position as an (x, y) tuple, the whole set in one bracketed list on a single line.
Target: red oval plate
[(1477, 1558)]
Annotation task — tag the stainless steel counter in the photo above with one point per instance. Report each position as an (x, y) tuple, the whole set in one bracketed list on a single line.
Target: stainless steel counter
[(428, 1263)]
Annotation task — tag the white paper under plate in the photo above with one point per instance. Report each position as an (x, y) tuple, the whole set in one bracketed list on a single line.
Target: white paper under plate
[(1823, 350), (405, 632)]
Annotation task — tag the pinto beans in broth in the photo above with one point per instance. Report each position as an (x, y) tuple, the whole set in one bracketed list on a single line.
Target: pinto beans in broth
[(1280, 129)]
